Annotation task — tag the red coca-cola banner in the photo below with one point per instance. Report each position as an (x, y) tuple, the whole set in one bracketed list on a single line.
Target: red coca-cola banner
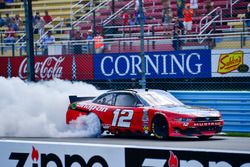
[(66, 67)]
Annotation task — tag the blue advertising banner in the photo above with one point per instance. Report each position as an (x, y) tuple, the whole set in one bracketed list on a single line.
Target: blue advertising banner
[(176, 64)]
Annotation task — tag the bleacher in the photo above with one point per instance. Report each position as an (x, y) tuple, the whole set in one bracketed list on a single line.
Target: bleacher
[(63, 9)]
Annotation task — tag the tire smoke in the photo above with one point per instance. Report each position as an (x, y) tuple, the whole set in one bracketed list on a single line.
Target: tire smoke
[(39, 109)]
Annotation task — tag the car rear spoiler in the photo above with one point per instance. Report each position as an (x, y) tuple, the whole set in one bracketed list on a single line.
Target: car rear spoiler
[(73, 99)]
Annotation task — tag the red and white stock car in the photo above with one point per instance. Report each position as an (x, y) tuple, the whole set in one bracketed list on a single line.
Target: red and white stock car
[(146, 112)]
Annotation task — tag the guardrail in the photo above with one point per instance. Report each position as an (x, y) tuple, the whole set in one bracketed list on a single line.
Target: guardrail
[(234, 106), (43, 153)]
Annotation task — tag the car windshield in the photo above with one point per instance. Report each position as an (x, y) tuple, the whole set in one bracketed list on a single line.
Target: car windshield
[(159, 97)]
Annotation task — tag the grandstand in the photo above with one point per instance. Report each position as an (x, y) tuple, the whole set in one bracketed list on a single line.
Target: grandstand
[(223, 27)]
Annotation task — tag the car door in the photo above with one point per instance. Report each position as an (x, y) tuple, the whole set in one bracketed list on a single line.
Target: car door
[(128, 113)]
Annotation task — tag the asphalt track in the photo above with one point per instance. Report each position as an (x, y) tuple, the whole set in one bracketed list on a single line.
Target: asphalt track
[(217, 143)]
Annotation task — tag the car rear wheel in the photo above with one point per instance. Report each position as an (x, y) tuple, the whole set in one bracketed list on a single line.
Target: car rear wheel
[(160, 127), (204, 137)]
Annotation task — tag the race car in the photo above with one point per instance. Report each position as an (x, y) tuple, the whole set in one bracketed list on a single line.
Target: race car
[(146, 112)]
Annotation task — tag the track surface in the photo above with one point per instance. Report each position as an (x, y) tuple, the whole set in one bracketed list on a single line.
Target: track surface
[(219, 143)]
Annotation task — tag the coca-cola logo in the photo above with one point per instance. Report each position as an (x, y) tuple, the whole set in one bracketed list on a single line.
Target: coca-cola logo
[(49, 68)]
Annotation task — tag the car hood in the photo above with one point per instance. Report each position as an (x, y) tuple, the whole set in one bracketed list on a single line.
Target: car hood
[(190, 110)]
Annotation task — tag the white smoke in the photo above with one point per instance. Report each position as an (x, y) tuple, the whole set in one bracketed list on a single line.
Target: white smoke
[(39, 109)]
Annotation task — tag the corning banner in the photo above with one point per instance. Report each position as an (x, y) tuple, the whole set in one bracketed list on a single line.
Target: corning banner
[(135, 157), (231, 63), (45, 154), (65, 67), (177, 64)]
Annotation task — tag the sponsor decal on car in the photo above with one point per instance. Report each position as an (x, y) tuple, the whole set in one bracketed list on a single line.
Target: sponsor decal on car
[(207, 124)]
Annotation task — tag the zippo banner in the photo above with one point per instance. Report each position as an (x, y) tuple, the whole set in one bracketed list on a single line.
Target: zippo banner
[(16, 153), (231, 63), (136, 157), (66, 67), (178, 64), (42, 154)]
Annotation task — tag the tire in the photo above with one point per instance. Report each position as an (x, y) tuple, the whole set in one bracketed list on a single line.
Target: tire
[(160, 127), (204, 137)]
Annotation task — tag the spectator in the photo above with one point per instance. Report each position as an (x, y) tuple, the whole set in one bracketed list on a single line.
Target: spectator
[(40, 23), (209, 6), (247, 16), (132, 21), (178, 24), (13, 24), (188, 14), (137, 11), (166, 19), (48, 39), (194, 6), (18, 20), (9, 1), (99, 45), (47, 18), (180, 7), (2, 21), (7, 19), (125, 17), (167, 6), (90, 41), (10, 35), (2, 4), (176, 42), (77, 47), (90, 35), (37, 15)]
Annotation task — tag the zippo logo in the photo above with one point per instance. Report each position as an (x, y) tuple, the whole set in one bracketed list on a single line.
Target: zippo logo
[(174, 162), (46, 159)]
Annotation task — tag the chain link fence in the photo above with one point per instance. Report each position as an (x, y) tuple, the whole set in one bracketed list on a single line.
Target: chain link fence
[(71, 60)]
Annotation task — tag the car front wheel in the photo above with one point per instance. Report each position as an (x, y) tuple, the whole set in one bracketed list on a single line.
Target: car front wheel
[(160, 127)]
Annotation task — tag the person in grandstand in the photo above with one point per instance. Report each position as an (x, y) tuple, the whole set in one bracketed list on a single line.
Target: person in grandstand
[(10, 35), (188, 18), (137, 12), (98, 43), (2, 21), (194, 6), (132, 20), (178, 24), (48, 39), (247, 16), (2, 4), (90, 41), (47, 18), (18, 20), (166, 19), (40, 26), (180, 7), (125, 17), (167, 7), (7, 19), (209, 6), (77, 46)]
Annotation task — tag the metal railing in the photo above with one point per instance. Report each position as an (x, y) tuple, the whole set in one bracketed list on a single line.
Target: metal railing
[(74, 10), (60, 24), (22, 38), (84, 17), (132, 44), (232, 3), (207, 21), (117, 13)]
